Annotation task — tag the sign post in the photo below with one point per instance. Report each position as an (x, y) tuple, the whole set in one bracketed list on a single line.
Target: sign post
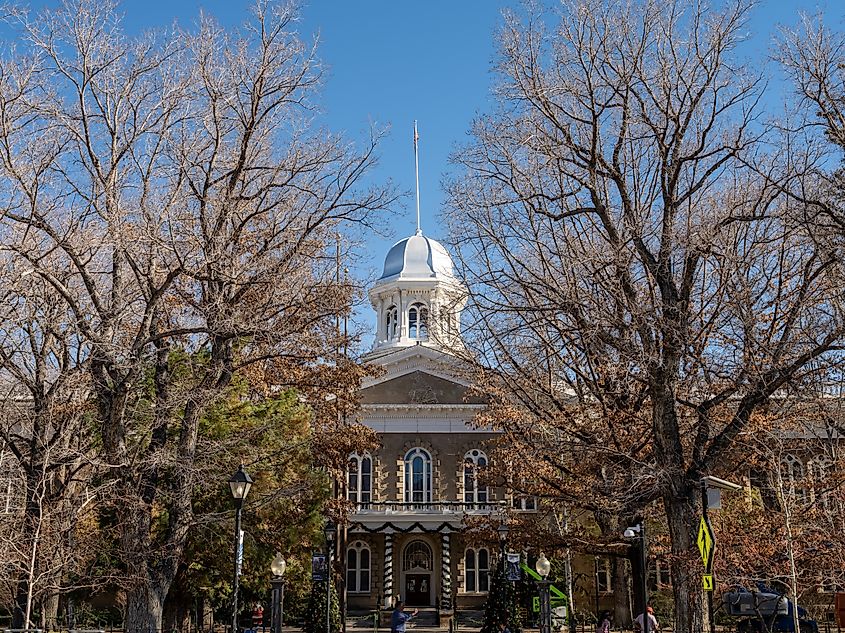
[(706, 545)]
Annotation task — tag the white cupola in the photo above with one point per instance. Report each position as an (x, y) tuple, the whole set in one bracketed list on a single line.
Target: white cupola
[(418, 299)]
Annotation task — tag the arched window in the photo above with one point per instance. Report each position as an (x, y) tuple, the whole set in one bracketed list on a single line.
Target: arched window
[(417, 555), (358, 568), (417, 476), (360, 478), (793, 476), (418, 321), (820, 469), (604, 577), (474, 461), (476, 570), (391, 323)]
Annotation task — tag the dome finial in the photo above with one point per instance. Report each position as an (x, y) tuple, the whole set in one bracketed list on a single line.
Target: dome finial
[(417, 166)]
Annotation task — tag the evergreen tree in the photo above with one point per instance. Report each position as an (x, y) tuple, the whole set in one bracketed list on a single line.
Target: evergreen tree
[(502, 604), (315, 614)]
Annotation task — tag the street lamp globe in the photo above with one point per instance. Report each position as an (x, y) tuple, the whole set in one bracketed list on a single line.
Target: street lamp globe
[(629, 533), (240, 483), (278, 566), (330, 530), (503, 531), (543, 566)]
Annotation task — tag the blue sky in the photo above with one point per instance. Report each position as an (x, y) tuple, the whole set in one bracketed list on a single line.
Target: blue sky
[(393, 61)]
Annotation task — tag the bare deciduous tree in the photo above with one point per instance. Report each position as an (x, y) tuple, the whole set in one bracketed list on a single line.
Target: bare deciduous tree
[(639, 290), (43, 433), (179, 201)]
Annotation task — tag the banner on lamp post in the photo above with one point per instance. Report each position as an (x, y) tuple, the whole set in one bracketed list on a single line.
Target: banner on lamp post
[(512, 570), (240, 558), (318, 567)]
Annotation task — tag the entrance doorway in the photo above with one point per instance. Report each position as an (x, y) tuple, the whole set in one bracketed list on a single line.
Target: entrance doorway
[(417, 568), (417, 590)]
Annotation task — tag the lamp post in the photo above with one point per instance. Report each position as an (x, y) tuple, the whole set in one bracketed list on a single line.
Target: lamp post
[(503, 544), (543, 567), (596, 562), (330, 530), (239, 484), (278, 567), (638, 531)]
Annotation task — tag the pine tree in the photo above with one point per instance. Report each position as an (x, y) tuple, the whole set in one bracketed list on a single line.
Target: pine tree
[(315, 614), (502, 604)]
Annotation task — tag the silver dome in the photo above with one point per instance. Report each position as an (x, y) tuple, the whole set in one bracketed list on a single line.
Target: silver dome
[(417, 257)]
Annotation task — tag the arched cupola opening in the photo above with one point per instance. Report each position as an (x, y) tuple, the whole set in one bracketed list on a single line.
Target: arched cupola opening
[(391, 321), (418, 321)]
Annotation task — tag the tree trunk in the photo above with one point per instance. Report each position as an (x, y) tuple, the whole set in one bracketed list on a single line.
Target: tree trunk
[(50, 612), (619, 582), (690, 605), (177, 616), (144, 608), (178, 606)]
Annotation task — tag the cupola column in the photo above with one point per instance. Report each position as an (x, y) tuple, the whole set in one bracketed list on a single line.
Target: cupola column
[(381, 328)]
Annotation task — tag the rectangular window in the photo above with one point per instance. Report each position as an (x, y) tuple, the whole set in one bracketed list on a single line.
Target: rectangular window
[(364, 579), (469, 485), (353, 485), (659, 576), (366, 479), (524, 503), (603, 576)]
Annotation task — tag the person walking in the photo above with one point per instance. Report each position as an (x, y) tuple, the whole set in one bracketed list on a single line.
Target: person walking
[(399, 618), (653, 626), (605, 620)]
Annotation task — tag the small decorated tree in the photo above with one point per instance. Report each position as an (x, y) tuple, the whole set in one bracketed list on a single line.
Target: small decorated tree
[(315, 614), (502, 604)]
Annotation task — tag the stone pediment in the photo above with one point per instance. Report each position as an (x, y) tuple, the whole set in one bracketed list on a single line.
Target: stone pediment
[(417, 387)]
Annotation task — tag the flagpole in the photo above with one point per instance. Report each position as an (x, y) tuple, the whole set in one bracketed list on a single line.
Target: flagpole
[(417, 166)]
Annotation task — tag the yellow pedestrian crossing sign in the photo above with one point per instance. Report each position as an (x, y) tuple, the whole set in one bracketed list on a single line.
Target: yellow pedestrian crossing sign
[(707, 582), (705, 543)]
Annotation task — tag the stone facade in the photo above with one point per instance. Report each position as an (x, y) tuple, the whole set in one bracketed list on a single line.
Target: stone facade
[(419, 516), (411, 495)]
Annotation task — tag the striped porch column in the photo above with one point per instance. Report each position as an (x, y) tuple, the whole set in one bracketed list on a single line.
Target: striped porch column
[(388, 571), (445, 573)]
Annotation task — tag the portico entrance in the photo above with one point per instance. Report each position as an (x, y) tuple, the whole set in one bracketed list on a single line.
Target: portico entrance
[(417, 590), (417, 567)]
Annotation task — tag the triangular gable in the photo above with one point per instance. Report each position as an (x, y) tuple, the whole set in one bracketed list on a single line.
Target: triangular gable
[(417, 387), (407, 360)]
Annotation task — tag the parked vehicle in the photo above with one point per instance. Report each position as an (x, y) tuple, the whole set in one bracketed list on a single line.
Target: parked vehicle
[(765, 610)]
